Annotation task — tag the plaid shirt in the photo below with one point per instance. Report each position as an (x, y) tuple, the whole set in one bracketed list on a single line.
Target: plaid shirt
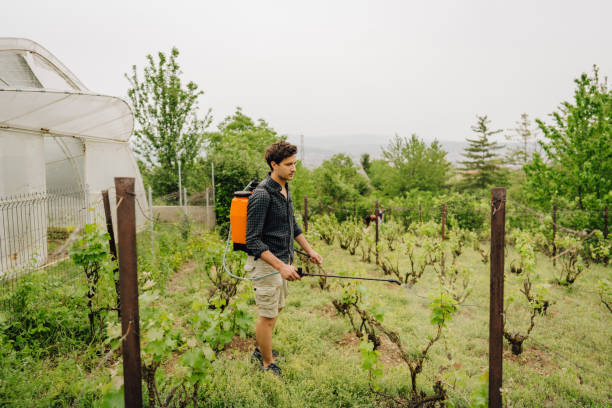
[(271, 222)]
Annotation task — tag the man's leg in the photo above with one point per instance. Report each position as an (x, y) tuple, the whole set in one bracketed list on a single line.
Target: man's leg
[(263, 337)]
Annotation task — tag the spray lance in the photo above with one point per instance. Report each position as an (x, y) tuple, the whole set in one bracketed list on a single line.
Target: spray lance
[(237, 235), (301, 273)]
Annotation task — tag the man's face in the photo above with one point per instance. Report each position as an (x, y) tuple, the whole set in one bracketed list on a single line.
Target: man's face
[(286, 168)]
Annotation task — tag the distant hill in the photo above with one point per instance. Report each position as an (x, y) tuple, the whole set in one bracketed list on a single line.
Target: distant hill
[(317, 149)]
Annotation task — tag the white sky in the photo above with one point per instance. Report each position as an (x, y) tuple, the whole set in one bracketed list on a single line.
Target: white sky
[(336, 68)]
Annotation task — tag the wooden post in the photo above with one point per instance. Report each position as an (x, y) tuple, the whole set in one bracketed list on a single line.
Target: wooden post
[(306, 214), (112, 246), (554, 234), (496, 310), (355, 210), (130, 330), (605, 231), (376, 220), (320, 211), (420, 214), (443, 219)]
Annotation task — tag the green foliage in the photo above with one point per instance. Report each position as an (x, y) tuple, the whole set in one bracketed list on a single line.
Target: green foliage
[(534, 297), (326, 227), (577, 150), (482, 166), (216, 326), (166, 112), (338, 182), (571, 259), (369, 359), (303, 184), (350, 235), (365, 162), (237, 151), (442, 308), (44, 319), (89, 252), (416, 165)]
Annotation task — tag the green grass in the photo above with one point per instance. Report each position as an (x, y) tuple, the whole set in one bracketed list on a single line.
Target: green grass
[(566, 362)]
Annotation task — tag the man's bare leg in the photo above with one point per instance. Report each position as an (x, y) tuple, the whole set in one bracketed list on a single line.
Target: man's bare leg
[(263, 337)]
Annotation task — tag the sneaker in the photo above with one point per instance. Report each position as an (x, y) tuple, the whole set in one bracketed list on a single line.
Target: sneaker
[(273, 368), (256, 357)]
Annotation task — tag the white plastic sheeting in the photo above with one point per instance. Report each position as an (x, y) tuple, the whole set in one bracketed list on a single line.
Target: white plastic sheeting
[(86, 116), (56, 134)]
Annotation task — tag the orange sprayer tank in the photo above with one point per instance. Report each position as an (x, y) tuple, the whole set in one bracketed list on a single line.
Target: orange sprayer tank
[(238, 219)]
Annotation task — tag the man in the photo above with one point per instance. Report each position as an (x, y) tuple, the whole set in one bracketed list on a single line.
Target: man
[(271, 229)]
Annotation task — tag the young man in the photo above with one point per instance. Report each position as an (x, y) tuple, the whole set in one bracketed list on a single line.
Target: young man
[(271, 229)]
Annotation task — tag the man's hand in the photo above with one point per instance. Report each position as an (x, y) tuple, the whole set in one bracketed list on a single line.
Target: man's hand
[(289, 272), (315, 257)]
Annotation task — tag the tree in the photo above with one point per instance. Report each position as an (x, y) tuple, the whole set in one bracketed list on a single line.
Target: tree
[(525, 135), (483, 166), (302, 185), (365, 162), (384, 177), (237, 150), (168, 127), (418, 165), (339, 182), (576, 163)]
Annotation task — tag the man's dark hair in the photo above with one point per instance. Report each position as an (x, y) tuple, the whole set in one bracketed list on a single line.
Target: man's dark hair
[(279, 151)]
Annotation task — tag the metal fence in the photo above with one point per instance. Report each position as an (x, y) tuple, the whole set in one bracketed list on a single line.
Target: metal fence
[(35, 228)]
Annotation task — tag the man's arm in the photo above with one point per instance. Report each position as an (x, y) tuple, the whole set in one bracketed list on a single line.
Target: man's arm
[(288, 272), (314, 256)]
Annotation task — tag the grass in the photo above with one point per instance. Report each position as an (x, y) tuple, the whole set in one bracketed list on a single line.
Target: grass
[(565, 363)]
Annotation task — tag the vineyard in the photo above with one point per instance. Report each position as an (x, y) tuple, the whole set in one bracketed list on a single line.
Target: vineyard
[(345, 343)]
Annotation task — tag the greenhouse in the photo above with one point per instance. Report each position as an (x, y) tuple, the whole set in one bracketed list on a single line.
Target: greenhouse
[(60, 146)]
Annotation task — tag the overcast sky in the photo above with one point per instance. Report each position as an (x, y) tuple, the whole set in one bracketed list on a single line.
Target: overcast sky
[(337, 68)]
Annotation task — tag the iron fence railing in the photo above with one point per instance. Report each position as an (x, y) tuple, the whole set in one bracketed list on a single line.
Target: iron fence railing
[(35, 227)]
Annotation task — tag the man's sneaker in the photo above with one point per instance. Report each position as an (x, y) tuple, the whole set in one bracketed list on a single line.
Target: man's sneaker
[(273, 368), (256, 357)]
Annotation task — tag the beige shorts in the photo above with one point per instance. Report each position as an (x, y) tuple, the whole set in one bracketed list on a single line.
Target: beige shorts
[(271, 291)]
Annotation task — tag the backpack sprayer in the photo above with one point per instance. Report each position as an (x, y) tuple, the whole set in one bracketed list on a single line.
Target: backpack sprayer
[(237, 234)]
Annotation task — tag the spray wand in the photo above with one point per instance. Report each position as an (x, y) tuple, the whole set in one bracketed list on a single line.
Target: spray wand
[(301, 273)]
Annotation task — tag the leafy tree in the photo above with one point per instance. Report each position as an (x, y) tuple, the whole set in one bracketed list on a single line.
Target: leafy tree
[(576, 163), (483, 166), (168, 127), (339, 182), (237, 150), (418, 165), (302, 185), (383, 176)]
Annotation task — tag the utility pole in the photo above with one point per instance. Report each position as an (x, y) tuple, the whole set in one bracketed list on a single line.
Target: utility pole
[(212, 166), (180, 190)]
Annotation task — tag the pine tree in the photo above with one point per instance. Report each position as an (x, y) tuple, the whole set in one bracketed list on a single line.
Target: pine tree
[(525, 135), (483, 165)]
